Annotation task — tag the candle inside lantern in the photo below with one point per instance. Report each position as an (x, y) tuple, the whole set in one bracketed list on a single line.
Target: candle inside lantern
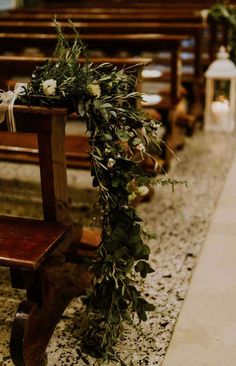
[(220, 110)]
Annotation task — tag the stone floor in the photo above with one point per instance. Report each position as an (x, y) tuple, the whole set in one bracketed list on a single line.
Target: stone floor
[(205, 333), (180, 219)]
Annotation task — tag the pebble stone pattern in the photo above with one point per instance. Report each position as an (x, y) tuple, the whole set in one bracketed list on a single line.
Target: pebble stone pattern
[(181, 220)]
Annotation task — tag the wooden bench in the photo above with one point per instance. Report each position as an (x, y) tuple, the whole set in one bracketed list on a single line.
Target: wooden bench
[(35, 251), (111, 7), (176, 13), (134, 43), (193, 81), (122, 15), (194, 30), (24, 147)]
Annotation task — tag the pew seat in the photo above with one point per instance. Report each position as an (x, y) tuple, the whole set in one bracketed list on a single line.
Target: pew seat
[(26, 243), (35, 251)]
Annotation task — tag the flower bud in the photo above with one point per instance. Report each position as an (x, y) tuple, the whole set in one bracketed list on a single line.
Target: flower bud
[(142, 190), (132, 196), (140, 147), (111, 162), (94, 90)]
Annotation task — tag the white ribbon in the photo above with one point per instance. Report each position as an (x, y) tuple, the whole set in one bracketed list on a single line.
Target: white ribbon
[(7, 103)]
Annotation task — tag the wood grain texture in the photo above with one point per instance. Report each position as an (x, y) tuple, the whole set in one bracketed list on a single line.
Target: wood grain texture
[(25, 243)]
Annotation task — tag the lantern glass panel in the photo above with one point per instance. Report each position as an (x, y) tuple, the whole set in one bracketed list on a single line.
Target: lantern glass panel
[(220, 107), (221, 90)]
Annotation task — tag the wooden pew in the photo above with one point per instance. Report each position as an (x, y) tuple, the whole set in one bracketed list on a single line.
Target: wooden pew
[(35, 251), (121, 7), (23, 66), (24, 148), (161, 16), (193, 30), (134, 43)]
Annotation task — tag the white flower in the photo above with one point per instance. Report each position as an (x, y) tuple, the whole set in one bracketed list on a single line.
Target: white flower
[(111, 162), (49, 87), (94, 90), (142, 190), (140, 147)]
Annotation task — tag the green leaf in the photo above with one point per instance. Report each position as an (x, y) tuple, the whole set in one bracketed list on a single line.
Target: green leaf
[(129, 265), (108, 137), (81, 109), (116, 182), (144, 268), (107, 105), (104, 114), (119, 253), (123, 135), (149, 307)]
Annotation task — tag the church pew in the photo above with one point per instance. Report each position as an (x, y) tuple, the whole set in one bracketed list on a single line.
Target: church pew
[(109, 43), (122, 7), (35, 251), (24, 148), (23, 66), (133, 43), (193, 30), (160, 16), (201, 44), (127, 4)]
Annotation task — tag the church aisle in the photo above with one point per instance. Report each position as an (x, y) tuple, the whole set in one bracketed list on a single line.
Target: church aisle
[(205, 333), (180, 219)]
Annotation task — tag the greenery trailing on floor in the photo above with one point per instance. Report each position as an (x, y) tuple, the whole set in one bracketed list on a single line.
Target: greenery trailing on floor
[(225, 14), (105, 98)]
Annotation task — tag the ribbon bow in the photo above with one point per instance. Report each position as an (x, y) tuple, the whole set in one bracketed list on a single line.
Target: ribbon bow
[(7, 103)]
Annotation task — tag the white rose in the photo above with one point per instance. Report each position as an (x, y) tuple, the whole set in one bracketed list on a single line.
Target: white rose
[(143, 190), (94, 90), (49, 87), (110, 163)]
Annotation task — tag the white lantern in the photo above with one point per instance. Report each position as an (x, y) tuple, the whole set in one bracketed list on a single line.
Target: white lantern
[(220, 94)]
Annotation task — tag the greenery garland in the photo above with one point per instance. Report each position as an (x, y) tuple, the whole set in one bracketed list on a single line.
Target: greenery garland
[(224, 13), (119, 136)]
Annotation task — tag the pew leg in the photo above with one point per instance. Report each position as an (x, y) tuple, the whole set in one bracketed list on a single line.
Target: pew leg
[(175, 136), (49, 291)]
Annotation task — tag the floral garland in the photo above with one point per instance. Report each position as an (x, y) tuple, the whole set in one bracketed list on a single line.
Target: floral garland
[(119, 137), (225, 13)]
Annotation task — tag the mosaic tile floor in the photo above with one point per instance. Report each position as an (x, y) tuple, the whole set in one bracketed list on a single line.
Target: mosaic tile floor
[(181, 220)]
